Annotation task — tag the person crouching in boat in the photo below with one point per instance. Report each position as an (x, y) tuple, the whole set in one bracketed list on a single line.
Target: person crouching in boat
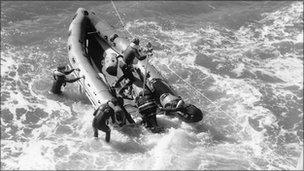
[(126, 61), (60, 78), (112, 110)]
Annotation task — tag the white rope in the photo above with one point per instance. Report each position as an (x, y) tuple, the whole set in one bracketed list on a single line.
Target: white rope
[(120, 19), (218, 107)]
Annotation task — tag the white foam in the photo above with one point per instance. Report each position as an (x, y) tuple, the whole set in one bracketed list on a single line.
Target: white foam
[(37, 156)]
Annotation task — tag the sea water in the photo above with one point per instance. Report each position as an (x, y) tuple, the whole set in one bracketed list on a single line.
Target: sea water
[(241, 62)]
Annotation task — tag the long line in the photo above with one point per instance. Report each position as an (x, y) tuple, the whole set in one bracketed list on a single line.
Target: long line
[(120, 19)]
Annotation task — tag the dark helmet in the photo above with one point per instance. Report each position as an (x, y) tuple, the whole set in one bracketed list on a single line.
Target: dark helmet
[(135, 41), (194, 113), (61, 68)]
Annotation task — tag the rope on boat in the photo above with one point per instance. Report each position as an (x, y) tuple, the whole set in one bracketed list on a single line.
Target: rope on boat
[(120, 19)]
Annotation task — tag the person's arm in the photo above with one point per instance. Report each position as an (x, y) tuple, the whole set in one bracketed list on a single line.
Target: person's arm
[(95, 112), (71, 80), (70, 71), (112, 114)]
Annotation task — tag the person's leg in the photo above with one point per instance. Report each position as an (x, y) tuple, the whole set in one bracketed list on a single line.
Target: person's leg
[(105, 128), (56, 88), (108, 136), (95, 132)]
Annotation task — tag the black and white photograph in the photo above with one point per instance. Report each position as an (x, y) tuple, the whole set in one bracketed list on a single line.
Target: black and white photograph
[(151, 85)]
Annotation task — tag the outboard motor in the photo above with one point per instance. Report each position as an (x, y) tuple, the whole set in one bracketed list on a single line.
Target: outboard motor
[(190, 114), (167, 98), (148, 108)]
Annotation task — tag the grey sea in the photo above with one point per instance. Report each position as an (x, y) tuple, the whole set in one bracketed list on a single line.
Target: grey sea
[(241, 62)]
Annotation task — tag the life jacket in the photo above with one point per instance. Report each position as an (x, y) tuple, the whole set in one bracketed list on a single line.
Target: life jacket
[(59, 77)]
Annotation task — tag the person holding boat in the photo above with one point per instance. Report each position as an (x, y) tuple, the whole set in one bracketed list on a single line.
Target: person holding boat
[(110, 110), (60, 78)]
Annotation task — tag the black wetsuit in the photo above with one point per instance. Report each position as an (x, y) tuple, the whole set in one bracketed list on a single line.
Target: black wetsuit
[(128, 57), (101, 117), (130, 53), (61, 80), (127, 73)]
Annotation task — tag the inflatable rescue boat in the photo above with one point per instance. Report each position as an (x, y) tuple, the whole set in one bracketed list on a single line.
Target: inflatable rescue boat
[(94, 46)]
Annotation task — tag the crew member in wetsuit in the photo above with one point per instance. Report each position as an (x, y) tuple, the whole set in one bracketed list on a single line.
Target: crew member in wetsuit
[(147, 107), (126, 61), (112, 110), (60, 79)]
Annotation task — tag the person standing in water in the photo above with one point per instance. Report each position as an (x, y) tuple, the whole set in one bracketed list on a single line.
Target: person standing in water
[(60, 78), (112, 110)]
